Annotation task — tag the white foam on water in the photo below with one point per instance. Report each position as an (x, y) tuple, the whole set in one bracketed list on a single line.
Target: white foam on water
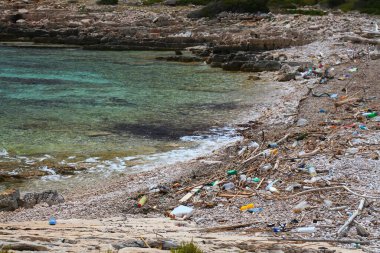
[(4, 152), (205, 145), (91, 160), (54, 177), (45, 168)]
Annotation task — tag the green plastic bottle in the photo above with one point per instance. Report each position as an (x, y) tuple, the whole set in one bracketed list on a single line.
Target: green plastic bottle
[(370, 114), (232, 172)]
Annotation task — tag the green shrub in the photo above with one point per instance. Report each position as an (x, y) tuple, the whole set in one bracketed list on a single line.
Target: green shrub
[(214, 8), (107, 2), (151, 2), (368, 6), (196, 2), (306, 12), (189, 247)]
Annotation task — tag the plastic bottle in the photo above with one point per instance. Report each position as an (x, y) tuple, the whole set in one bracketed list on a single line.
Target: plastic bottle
[(266, 167), (370, 114), (52, 221), (228, 186), (273, 189), (142, 201), (182, 211), (273, 145), (305, 230), (246, 207), (312, 171), (300, 207), (255, 210), (232, 172), (253, 144), (215, 183)]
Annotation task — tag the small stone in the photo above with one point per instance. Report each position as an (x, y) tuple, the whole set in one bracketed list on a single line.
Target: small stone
[(23, 11), (254, 78), (352, 151), (302, 122)]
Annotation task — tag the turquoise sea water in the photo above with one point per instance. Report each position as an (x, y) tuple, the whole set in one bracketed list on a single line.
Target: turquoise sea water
[(74, 106)]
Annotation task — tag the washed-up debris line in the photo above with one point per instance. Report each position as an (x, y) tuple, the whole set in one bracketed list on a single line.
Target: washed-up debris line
[(283, 180)]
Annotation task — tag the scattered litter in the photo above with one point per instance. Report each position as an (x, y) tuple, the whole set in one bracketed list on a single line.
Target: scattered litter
[(52, 221), (181, 212)]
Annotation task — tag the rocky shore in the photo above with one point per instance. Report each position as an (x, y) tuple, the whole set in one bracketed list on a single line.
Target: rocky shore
[(330, 87)]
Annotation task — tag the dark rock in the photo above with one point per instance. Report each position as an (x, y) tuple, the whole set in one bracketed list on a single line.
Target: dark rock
[(181, 58), (24, 247), (285, 77), (217, 58), (16, 17), (216, 65), (178, 52), (232, 65), (50, 197), (261, 66), (9, 200), (254, 78), (170, 2), (302, 65)]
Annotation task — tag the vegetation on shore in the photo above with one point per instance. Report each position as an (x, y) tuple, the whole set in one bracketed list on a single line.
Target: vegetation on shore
[(213, 7), (189, 247), (107, 2)]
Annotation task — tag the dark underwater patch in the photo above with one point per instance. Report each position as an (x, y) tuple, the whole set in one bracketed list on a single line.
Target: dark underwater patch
[(160, 131), (29, 81)]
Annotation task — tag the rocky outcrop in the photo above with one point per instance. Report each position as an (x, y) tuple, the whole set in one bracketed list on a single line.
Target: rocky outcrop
[(9, 200), (49, 197), (287, 73), (181, 58), (261, 66)]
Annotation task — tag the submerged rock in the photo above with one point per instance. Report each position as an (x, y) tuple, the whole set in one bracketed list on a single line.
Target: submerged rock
[(181, 58)]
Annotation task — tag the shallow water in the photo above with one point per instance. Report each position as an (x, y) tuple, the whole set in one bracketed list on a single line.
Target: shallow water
[(112, 111)]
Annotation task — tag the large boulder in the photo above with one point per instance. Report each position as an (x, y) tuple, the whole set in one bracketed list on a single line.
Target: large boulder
[(260, 66), (287, 73), (9, 200), (170, 2), (50, 197), (232, 65)]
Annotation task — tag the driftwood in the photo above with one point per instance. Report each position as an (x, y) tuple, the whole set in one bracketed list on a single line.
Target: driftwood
[(226, 195), (146, 244), (283, 139), (347, 100), (361, 40), (319, 240), (347, 224), (332, 188), (226, 228), (338, 208), (190, 194), (314, 152), (258, 186), (252, 157)]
